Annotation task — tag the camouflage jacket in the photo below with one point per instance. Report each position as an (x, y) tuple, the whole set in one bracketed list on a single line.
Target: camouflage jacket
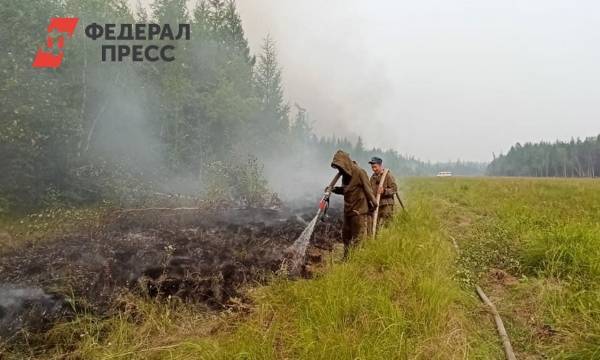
[(389, 188)]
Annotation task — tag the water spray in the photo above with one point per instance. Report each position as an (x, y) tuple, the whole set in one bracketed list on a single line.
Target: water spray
[(297, 251)]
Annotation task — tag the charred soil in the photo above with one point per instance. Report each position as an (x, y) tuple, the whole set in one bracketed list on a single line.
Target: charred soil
[(196, 255)]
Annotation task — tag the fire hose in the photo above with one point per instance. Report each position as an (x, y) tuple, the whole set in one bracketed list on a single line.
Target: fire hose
[(379, 191), (324, 203)]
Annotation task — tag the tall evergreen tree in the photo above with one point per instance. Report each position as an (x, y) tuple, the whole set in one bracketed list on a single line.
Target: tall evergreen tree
[(269, 88)]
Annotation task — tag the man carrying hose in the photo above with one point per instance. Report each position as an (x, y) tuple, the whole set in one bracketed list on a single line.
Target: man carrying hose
[(359, 199), (387, 191)]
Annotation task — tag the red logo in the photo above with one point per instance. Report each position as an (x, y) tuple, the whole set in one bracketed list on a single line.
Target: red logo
[(56, 37)]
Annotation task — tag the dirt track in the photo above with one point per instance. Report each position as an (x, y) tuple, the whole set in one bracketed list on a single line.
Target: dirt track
[(196, 255)]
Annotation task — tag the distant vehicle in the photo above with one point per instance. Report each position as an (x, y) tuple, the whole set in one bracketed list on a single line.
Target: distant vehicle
[(444, 173)]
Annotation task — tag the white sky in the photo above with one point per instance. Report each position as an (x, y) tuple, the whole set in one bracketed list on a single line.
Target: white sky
[(438, 79)]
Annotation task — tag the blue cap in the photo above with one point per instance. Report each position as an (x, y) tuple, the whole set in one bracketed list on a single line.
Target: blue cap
[(376, 160)]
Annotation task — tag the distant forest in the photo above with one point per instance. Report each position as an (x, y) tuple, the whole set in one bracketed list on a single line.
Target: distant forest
[(402, 165), (576, 158), (203, 124)]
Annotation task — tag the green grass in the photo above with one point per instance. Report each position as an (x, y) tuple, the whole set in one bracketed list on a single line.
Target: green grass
[(406, 294), (395, 298), (544, 232)]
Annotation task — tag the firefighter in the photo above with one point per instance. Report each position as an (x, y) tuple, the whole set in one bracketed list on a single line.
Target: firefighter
[(359, 200), (387, 191)]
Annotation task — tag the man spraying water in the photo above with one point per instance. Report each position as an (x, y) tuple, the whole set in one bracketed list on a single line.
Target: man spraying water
[(359, 199), (359, 202)]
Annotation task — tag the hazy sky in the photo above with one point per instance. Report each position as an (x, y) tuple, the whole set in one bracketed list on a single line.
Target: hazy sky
[(438, 79)]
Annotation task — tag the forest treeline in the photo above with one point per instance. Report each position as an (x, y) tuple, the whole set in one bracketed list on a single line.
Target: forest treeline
[(575, 158), (207, 122)]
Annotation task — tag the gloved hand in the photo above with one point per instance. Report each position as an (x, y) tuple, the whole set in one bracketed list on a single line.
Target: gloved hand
[(338, 190)]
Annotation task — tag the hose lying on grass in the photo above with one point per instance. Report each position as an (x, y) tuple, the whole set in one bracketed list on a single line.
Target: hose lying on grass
[(508, 350)]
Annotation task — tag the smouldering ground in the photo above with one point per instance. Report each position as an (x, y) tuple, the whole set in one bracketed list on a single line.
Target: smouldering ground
[(532, 245)]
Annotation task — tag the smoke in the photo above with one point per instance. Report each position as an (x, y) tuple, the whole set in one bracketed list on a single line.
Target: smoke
[(349, 98), (125, 134), (326, 67), (26, 307), (437, 79), (123, 131), (300, 176)]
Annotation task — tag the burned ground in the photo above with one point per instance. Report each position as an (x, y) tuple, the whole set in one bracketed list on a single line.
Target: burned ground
[(196, 255)]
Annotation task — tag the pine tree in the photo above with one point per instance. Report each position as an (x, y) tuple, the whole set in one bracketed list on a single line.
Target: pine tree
[(300, 129), (269, 88)]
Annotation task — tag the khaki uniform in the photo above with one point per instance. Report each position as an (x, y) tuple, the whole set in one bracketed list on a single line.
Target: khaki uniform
[(359, 199), (386, 202)]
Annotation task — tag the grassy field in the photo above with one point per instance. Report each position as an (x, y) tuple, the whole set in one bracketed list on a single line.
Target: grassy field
[(532, 245)]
